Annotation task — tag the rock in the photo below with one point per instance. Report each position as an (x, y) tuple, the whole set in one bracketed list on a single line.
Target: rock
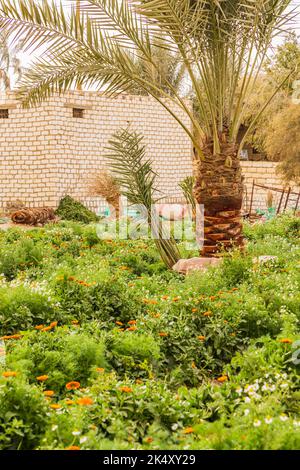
[(184, 266), (264, 259)]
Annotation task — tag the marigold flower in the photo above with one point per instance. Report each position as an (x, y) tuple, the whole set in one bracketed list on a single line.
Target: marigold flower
[(85, 401), (131, 328), (71, 278), (39, 327), (73, 385), (70, 402), (201, 338), (132, 322), (9, 373), (7, 337), (119, 323), (175, 299), (193, 365), (131, 284), (72, 448), (55, 406), (126, 389), (165, 297), (194, 310), (149, 440), (47, 328), (189, 430), (156, 315), (100, 370), (53, 324), (42, 378), (49, 393), (162, 333), (222, 379), (207, 314), (286, 341)]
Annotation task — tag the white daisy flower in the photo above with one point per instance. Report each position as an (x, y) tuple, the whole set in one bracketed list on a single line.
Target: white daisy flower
[(257, 423), (54, 427), (83, 439), (246, 412), (76, 433), (268, 420), (283, 417)]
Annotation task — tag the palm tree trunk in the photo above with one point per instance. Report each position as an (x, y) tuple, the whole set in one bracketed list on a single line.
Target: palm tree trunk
[(219, 187)]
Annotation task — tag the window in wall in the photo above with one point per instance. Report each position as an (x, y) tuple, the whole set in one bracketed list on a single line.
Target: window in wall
[(4, 114), (78, 113)]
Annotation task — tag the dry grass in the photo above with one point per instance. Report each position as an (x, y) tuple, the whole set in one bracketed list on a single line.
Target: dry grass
[(105, 185)]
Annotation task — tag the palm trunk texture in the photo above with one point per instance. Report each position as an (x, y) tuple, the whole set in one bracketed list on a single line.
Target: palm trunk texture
[(219, 187)]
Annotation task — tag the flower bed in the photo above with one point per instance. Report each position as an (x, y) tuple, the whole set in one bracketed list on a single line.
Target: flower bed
[(103, 348)]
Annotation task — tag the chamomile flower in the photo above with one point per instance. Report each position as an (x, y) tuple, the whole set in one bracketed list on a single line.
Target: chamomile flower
[(256, 423), (268, 420)]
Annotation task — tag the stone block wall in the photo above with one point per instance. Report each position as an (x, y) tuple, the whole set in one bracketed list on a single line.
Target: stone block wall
[(46, 153)]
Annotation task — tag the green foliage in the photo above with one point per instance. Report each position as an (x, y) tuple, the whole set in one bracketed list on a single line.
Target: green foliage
[(149, 346), (69, 209)]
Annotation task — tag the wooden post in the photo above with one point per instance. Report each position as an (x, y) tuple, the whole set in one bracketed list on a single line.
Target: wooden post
[(280, 202), (287, 199), (297, 203), (251, 201)]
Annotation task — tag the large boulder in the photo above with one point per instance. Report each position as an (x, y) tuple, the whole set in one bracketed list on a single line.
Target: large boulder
[(184, 266)]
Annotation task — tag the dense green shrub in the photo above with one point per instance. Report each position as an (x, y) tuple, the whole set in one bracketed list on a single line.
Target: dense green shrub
[(69, 209)]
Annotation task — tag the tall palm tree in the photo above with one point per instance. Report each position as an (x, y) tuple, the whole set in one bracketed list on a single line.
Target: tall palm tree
[(9, 61), (223, 45)]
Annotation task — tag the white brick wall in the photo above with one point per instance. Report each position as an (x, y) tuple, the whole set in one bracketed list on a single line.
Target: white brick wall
[(46, 153)]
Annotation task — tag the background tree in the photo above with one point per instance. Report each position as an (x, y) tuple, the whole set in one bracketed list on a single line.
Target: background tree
[(9, 62), (277, 132), (222, 44), (282, 142)]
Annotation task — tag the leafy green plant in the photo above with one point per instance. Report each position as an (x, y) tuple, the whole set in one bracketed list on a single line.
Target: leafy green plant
[(69, 209), (127, 154)]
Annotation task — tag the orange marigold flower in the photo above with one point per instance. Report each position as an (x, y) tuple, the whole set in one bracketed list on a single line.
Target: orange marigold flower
[(193, 365), (149, 440), (47, 328), (132, 322), (207, 314), (213, 297), (7, 337), (286, 341), (131, 284), (55, 406), (71, 278), (72, 448), (119, 323), (85, 401), (194, 310), (189, 430), (165, 297), (53, 324), (201, 338), (49, 393), (100, 370), (223, 378), (9, 373), (162, 333), (156, 315), (131, 328), (42, 378), (234, 289), (175, 299), (126, 389), (69, 402), (39, 327), (73, 385)]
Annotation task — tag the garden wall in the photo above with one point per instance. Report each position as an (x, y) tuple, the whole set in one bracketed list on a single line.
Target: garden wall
[(264, 173), (46, 152)]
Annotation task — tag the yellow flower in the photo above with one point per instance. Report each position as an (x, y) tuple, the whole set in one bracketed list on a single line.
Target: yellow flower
[(223, 378)]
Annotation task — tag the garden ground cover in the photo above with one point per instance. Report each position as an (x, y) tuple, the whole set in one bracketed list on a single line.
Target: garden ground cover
[(103, 348)]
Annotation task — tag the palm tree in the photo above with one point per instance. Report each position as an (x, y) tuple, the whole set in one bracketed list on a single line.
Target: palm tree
[(223, 45), (8, 61)]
